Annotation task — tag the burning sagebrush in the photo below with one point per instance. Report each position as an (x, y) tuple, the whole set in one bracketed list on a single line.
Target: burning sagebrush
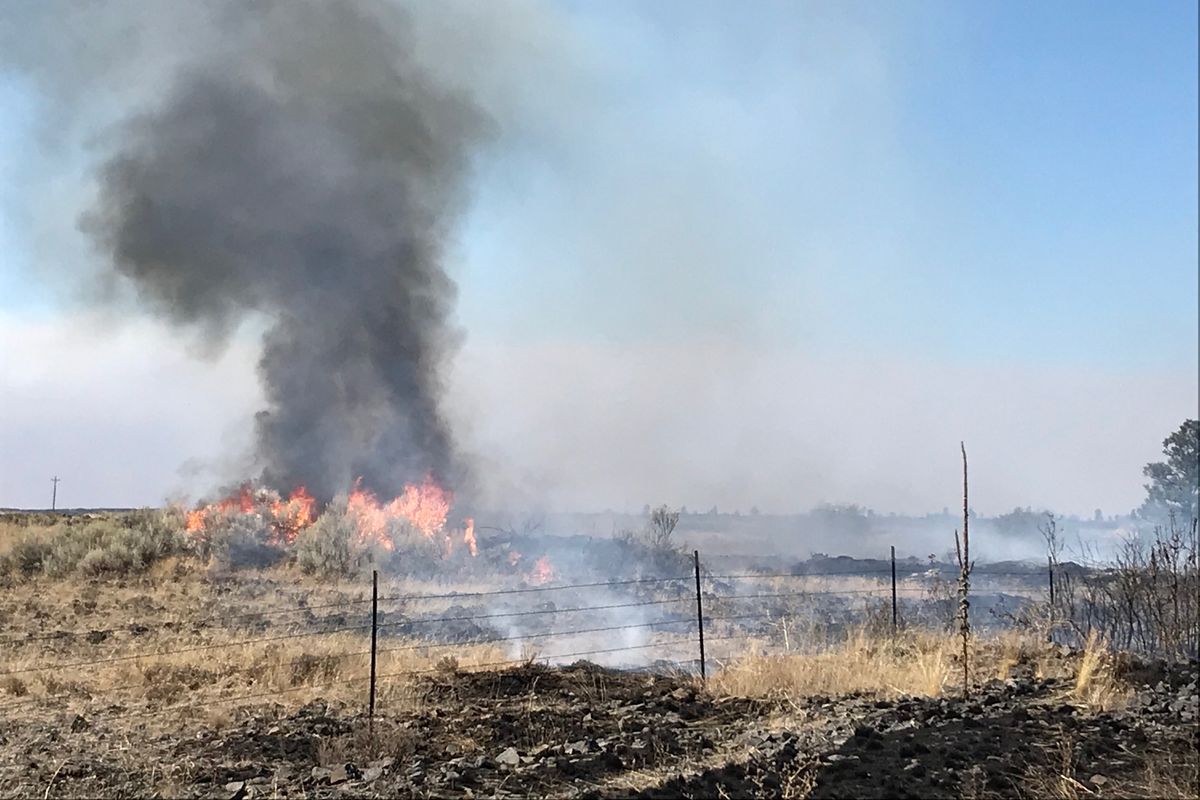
[(343, 535)]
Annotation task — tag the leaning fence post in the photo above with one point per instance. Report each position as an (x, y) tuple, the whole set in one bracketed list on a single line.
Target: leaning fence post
[(894, 620), (699, 614), (374, 634), (1050, 576), (1050, 572)]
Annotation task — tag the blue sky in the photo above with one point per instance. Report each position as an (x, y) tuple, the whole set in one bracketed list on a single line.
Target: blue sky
[(1030, 193), (1008, 185), (1025, 190)]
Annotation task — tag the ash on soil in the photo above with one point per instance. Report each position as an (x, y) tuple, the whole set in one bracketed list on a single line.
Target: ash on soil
[(588, 732)]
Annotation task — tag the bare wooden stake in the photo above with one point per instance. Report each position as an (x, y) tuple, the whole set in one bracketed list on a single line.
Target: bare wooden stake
[(374, 634), (699, 615), (894, 621), (963, 551)]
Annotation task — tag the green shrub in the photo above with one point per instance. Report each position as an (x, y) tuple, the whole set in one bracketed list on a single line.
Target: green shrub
[(109, 546), (330, 545), (234, 539), (153, 535), (114, 559), (69, 546), (27, 555)]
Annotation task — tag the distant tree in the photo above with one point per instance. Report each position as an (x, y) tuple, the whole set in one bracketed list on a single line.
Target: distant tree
[(842, 520), (1098, 516), (1020, 522), (660, 528), (1174, 487)]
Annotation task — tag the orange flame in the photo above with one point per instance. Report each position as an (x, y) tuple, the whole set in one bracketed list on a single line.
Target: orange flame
[(469, 536), (422, 508), (242, 502), (292, 515), (543, 571)]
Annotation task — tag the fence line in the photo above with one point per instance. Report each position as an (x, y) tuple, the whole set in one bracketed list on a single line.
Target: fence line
[(404, 674), (344, 629), (194, 649), (374, 624), (982, 572), (365, 601), (534, 589), (421, 646)]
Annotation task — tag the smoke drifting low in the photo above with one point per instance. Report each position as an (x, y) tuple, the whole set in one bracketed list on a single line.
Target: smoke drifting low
[(303, 169)]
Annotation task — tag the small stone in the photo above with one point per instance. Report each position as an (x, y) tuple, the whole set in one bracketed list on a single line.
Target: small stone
[(320, 774), (509, 757), (234, 790), (338, 774), (372, 774), (834, 758), (1097, 780)]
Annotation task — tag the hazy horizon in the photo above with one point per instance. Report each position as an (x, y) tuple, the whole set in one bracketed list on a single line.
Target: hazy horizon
[(774, 257)]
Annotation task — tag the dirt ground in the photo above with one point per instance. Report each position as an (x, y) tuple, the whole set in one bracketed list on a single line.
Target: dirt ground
[(192, 682), (588, 732)]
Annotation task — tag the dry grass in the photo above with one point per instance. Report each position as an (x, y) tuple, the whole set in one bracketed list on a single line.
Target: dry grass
[(1159, 774), (1096, 684), (180, 604), (918, 663), (291, 672)]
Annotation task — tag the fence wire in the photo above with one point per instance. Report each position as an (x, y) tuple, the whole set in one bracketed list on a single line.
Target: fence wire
[(380, 619)]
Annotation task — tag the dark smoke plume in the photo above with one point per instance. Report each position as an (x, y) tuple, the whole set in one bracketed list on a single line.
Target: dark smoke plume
[(307, 171)]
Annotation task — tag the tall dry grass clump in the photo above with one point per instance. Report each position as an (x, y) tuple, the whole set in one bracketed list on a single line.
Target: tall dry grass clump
[(1096, 684), (917, 663)]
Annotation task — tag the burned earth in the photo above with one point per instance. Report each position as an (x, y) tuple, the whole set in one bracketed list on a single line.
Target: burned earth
[(590, 732)]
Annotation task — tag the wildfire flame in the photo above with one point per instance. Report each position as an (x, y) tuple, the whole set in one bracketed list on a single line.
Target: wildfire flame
[(422, 508), (294, 514), (543, 571), (286, 518), (469, 536)]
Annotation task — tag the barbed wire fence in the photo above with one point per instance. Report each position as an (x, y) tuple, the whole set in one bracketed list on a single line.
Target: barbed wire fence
[(729, 601)]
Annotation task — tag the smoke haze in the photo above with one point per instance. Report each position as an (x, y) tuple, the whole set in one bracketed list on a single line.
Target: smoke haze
[(304, 169), (772, 255)]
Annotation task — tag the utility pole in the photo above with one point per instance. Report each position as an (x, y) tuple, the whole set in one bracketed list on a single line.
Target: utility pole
[(54, 494)]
